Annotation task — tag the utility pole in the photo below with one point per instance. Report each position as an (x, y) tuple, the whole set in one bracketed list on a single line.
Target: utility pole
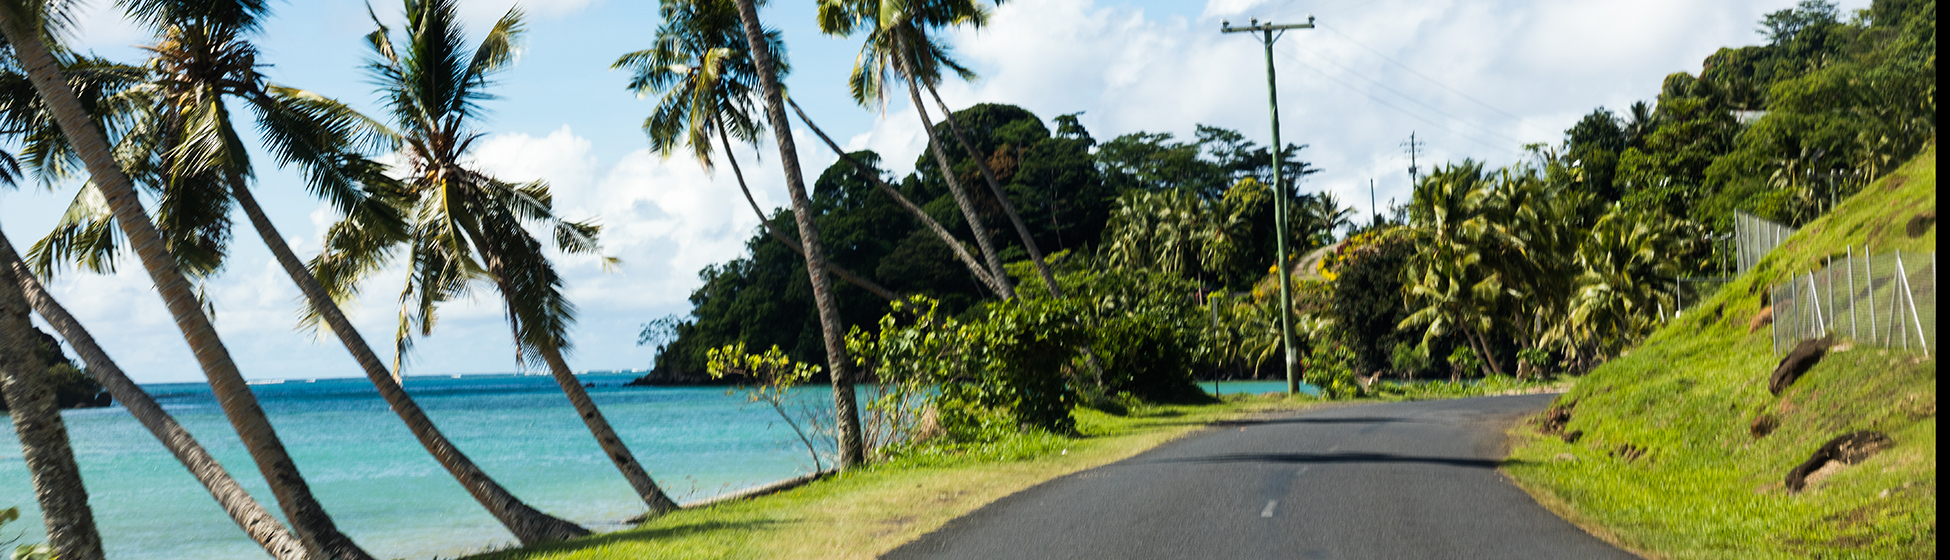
[(1374, 212), (1267, 37), (1412, 146)]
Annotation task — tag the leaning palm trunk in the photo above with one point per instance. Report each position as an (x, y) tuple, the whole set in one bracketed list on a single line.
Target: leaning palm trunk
[(251, 516), (612, 445), (831, 266), (618, 453), (308, 517), (981, 232), (43, 438), (852, 447), (995, 186), (974, 267), (529, 525)]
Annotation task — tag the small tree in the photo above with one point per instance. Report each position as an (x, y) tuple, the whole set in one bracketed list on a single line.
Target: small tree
[(773, 376)]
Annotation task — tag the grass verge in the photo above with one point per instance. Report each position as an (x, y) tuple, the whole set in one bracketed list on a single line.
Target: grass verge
[(1670, 463)]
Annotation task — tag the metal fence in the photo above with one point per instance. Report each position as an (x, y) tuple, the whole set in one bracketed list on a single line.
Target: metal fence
[(1689, 291), (1884, 300), (1753, 238)]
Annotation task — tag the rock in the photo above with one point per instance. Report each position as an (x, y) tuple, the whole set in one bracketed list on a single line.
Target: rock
[(1920, 223), (1846, 449), (1762, 319), (1804, 356), (1565, 458)]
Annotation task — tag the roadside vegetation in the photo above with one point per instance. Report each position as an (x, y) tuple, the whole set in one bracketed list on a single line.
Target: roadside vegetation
[(1681, 451)]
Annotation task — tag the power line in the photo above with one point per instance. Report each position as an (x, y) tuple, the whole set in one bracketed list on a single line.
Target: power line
[(1412, 99), (1418, 73), (1385, 103)]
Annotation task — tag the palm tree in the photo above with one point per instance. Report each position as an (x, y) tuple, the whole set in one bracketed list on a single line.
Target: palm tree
[(845, 409), (898, 44), (1626, 261), (251, 516), (1449, 284), (468, 225), (43, 438), (26, 25), (26, 117), (701, 69), (202, 57)]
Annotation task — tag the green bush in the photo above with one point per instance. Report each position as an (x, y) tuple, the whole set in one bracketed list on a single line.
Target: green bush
[(1329, 365)]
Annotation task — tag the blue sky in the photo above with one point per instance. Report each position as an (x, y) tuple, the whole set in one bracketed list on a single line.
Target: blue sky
[(1473, 79)]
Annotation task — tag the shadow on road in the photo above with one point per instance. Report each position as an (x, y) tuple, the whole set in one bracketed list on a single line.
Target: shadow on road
[(1335, 458), (1312, 420)]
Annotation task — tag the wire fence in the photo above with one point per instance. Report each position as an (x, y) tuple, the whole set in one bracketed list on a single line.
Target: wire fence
[(1886, 300), (1753, 238), (1689, 291)]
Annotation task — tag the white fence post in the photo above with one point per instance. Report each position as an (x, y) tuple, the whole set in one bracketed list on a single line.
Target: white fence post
[(1854, 320), (1922, 340)]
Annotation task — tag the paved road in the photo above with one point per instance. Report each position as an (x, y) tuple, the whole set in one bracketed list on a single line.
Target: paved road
[(1398, 480)]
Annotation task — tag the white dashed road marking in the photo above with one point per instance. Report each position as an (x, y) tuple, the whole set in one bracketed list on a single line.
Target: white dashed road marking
[(1268, 512)]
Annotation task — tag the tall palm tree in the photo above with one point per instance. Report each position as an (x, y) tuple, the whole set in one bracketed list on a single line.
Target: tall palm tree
[(26, 25), (898, 44), (43, 437), (250, 515), (845, 410), (468, 225), (203, 57), (25, 116), (1449, 284), (700, 68)]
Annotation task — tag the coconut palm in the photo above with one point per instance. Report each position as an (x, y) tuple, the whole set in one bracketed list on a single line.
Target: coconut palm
[(250, 515), (467, 225), (1449, 284), (203, 57), (43, 437), (898, 44), (26, 25), (700, 69), (24, 116), (845, 410), (1627, 264)]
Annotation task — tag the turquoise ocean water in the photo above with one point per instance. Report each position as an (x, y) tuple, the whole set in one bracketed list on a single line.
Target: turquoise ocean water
[(384, 490)]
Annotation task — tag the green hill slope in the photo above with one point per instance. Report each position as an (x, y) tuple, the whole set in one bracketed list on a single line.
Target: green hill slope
[(1668, 463)]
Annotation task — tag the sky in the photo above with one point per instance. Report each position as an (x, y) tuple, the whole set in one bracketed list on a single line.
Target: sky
[(1476, 79)]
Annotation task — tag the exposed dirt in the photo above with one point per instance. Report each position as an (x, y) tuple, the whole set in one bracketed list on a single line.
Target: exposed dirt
[(1804, 356), (1761, 319), (1763, 425), (1553, 420), (1846, 449), (1920, 223)]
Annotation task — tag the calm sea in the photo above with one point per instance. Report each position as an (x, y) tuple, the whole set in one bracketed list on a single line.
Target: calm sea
[(385, 491), (379, 484)]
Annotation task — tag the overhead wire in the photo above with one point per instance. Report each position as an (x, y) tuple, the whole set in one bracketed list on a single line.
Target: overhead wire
[(1417, 73), (1383, 102), (1413, 99)]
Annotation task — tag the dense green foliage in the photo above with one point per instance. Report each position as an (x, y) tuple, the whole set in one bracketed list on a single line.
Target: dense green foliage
[(1206, 199), (1779, 129)]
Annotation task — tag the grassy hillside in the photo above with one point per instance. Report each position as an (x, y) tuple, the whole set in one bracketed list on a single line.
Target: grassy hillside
[(1667, 464)]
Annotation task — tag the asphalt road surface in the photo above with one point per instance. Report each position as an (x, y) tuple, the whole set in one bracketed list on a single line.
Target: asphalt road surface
[(1397, 480)]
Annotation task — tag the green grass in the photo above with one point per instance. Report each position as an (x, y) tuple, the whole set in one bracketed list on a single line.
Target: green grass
[(866, 513), (1704, 486)]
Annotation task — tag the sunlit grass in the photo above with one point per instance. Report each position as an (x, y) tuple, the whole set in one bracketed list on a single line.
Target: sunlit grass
[(1705, 486)]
